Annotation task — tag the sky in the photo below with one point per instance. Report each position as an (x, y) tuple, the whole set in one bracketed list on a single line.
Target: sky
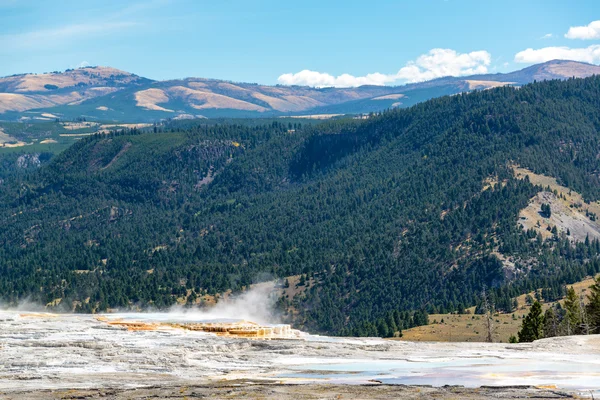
[(308, 42)]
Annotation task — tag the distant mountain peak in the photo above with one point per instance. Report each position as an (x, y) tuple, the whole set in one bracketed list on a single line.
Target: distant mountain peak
[(566, 69), (107, 93), (71, 78), (100, 70)]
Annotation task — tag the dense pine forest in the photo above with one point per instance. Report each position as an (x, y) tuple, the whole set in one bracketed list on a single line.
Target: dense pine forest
[(386, 219)]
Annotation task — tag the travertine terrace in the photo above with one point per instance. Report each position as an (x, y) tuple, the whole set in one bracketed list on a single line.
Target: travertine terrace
[(241, 329), (52, 354)]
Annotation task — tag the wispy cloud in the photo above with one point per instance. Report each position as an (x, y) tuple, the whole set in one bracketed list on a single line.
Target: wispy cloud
[(547, 36), (587, 32), (590, 54), (436, 63), (107, 24), (48, 37)]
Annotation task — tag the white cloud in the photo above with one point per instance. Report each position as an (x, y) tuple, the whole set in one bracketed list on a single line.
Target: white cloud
[(435, 64), (547, 36), (319, 79), (589, 54), (590, 31), (445, 62)]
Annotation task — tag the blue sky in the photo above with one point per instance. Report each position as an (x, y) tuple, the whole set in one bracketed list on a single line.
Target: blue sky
[(268, 41)]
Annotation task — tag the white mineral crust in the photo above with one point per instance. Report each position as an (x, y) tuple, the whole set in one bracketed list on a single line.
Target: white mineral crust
[(47, 351)]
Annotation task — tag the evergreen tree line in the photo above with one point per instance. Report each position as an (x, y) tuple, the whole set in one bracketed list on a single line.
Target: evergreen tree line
[(575, 318)]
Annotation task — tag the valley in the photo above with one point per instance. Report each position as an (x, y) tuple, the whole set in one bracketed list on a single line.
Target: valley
[(360, 209), (299, 200)]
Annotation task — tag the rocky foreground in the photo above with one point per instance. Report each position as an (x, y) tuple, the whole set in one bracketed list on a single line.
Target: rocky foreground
[(257, 390), (44, 356)]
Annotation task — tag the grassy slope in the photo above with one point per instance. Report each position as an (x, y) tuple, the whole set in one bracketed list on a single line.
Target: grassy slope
[(121, 106), (34, 133), (472, 328)]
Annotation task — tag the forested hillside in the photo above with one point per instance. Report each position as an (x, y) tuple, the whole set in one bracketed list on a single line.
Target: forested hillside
[(387, 217)]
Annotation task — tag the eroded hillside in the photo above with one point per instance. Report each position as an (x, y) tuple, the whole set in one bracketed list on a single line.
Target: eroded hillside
[(573, 217)]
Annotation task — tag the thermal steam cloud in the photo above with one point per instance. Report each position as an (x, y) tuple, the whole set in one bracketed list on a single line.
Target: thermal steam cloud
[(256, 305)]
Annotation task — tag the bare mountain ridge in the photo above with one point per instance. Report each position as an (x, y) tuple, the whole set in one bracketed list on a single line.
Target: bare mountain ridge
[(81, 77), (26, 92), (555, 69), (106, 93)]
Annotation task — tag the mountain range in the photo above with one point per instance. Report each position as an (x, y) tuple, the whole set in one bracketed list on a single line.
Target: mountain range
[(109, 94)]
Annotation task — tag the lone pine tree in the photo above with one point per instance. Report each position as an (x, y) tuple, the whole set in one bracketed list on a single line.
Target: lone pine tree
[(533, 324)]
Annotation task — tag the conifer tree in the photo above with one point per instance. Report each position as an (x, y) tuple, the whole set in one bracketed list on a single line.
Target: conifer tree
[(533, 324), (572, 319), (550, 323), (593, 307), (382, 328)]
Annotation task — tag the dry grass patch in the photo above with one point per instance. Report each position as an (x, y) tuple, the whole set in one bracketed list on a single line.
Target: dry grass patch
[(9, 141), (574, 69), (395, 96), (150, 98), (465, 328), (21, 102), (472, 328), (76, 134), (473, 84), (287, 103), (316, 116), (74, 126), (200, 99)]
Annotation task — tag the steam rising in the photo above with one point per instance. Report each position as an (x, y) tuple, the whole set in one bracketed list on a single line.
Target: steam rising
[(256, 305), (23, 306)]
